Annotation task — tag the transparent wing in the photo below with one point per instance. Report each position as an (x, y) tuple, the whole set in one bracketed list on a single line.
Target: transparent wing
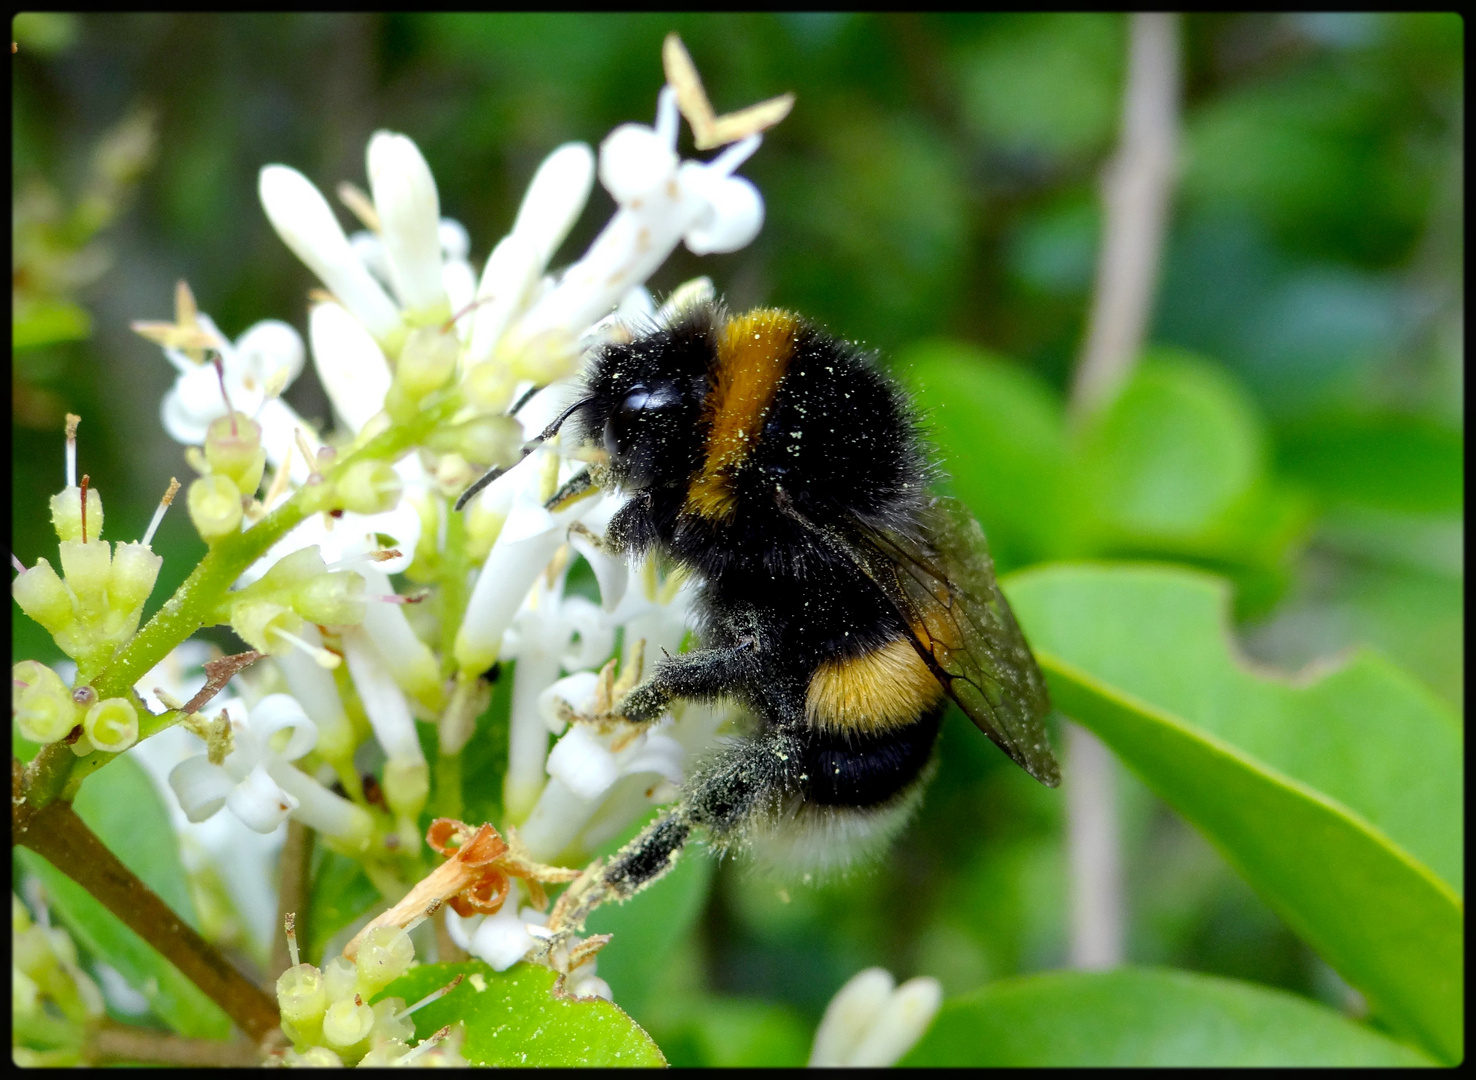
[(943, 586)]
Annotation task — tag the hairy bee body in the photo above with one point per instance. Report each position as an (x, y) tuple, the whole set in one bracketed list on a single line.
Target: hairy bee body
[(784, 469)]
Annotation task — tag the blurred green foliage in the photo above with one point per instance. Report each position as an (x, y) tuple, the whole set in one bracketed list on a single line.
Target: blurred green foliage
[(1296, 426)]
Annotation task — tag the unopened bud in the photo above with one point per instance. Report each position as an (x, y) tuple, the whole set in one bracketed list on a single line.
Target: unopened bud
[(66, 514), (135, 569), (385, 953), (288, 572), (490, 386), (347, 1022), (426, 363), (257, 622), (406, 786), (112, 725), (484, 522), (314, 1057), (42, 596), (42, 703), (215, 507), (483, 439), (233, 449), (335, 599), (87, 567), (302, 998), (392, 1024), (340, 976), (369, 487)]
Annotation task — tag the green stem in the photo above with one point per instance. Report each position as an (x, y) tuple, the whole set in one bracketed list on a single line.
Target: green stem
[(54, 772)]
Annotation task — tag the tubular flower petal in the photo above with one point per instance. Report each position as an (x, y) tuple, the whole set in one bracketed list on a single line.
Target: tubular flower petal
[(873, 1022), (306, 224)]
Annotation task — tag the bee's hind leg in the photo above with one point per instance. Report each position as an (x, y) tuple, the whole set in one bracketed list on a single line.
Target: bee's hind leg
[(720, 799)]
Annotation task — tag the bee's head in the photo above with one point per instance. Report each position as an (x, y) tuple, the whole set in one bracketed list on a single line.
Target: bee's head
[(644, 402)]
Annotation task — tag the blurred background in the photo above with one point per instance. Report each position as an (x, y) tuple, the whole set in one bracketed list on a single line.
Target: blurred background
[(1297, 424)]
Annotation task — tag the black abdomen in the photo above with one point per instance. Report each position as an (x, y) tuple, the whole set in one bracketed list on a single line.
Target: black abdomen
[(849, 768)]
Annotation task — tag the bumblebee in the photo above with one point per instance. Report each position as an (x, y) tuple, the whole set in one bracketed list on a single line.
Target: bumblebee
[(841, 603)]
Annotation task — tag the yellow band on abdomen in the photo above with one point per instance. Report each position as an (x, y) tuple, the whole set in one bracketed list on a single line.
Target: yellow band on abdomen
[(885, 688)]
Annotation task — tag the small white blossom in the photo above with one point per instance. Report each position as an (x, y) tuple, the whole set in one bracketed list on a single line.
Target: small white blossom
[(873, 1022), (257, 780), (585, 765)]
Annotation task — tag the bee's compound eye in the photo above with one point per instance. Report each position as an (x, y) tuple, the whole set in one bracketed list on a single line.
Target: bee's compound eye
[(641, 403)]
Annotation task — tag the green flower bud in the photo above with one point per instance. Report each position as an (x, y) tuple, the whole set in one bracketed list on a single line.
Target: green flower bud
[(255, 620), (482, 528), (483, 439), (135, 569), (427, 362), (406, 786), (347, 1023), (335, 599), (340, 976), (489, 386), (391, 1023), (303, 1000), (314, 1057), (369, 487), (42, 596), (66, 514), (385, 953), (215, 507), (236, 454), (288, 572), (112, 725), (44, 710), (385, 1054), (87, 567)]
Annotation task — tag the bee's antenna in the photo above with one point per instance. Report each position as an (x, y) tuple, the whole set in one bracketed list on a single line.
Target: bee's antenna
[(532, 444)]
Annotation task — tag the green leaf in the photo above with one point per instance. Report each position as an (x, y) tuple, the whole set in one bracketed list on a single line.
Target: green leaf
[(1147, 1017), (735, 1033), (648, 931), (519, 1019), (1403, 464), (1337, 798), (1175, 454), (123, 807), (341, 892), (1003, 438)]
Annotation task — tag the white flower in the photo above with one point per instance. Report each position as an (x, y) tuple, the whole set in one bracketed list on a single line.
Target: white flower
[(244, 859), (529, 538), (350, 365), (585, 765), (873, 1022), (257, 781), (501, 939), (267, 357), (307, 225), (663, 201)]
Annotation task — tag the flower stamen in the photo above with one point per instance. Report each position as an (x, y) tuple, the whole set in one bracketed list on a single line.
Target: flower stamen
[(84, 508), (159, 513), (324, 658), (72, 421)]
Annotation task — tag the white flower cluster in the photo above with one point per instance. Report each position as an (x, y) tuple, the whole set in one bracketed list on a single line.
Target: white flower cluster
[(405, 310)]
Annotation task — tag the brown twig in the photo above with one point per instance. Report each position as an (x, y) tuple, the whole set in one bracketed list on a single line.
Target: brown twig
[(1137, 191), (56, 833), (217, 674), (117, 1043), (292, 894)]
